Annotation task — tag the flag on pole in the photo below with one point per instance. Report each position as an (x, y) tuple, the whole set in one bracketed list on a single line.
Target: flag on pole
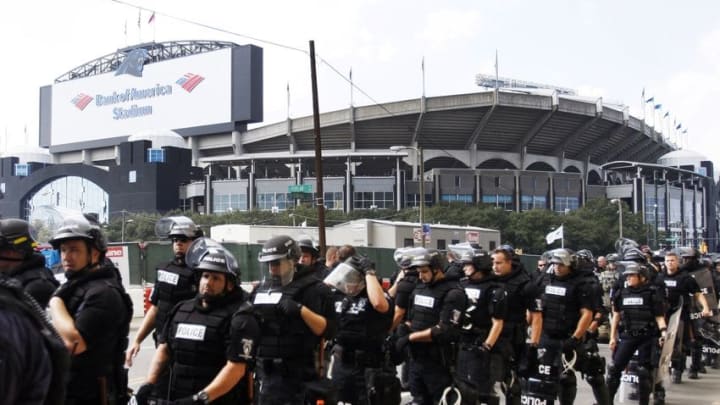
[(152, 18), (554, 235), (658, 106), (650, 100)]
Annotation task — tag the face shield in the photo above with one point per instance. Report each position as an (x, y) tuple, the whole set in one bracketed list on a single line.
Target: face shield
[(346, 279)]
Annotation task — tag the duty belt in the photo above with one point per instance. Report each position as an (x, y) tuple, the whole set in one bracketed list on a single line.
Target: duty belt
[(639, 332), (360, 358)]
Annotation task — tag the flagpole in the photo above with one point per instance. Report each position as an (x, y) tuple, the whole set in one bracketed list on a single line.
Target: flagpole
[(422, 63), (351, 89)]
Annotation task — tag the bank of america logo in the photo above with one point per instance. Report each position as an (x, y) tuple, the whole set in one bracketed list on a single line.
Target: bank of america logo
[(189, 81), (81, 101)]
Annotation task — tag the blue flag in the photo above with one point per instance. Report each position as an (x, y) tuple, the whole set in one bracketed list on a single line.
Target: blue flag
[(650, 100), (658, 106)]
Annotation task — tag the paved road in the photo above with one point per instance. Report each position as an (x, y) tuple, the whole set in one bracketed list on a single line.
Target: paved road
[(705, 391)]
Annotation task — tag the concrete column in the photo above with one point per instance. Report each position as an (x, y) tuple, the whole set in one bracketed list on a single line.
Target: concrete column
[(237, 143), (86, 157), (194, 150), (251, 186), (348, 185)]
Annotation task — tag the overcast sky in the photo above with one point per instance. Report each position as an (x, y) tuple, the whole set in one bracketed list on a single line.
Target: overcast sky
[(611, 49)]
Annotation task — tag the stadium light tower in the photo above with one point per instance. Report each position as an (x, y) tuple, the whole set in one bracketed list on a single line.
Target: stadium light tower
[(421, 177)]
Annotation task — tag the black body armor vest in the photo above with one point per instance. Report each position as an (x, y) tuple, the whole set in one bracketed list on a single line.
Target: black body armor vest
[(283, 338), (561, 312), (426, 303), (360, 326), (197, 341), (174, 283), (637, 309)]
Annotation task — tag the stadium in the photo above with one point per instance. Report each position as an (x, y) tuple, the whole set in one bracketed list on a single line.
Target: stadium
[(172, 132)]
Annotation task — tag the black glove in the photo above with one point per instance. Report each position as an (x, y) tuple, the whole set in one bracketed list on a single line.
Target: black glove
[(402, 330), (570, 345), (143, 393), (365, 264), (290, 307), (401, 343)]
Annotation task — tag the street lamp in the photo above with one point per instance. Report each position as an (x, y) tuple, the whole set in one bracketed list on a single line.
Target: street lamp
[(619, 203), (421, 177)]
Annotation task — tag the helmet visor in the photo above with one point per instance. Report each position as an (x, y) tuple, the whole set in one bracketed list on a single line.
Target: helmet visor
[(346, 279)]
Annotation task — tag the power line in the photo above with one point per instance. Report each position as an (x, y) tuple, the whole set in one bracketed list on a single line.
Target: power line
[(256, 39)]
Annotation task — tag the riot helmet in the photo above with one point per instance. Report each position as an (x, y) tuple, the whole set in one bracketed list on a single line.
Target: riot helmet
[(77, 227), (634, 254), (346, 277), (564, 257), (478, 261), (177, 227), (16, 234), (279, 254), (206, 254), (306, 244), (612, 257), (635, 268), (585, 255)]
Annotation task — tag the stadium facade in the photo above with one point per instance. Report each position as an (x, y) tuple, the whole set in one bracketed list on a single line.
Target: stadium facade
[(516, 149)]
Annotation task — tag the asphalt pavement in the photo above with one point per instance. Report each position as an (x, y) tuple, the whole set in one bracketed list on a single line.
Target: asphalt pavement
[(705, 391)]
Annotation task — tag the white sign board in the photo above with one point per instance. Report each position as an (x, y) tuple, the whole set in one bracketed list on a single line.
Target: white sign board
[(118, 255), (185, 92)]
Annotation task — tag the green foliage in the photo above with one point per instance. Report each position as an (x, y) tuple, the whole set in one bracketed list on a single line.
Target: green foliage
[(594, 226)]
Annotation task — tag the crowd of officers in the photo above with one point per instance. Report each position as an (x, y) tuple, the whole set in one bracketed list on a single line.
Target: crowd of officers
[(468, 327)]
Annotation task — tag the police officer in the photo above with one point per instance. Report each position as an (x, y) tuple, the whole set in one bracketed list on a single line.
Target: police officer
[(19, 260), (690, 263), (524, 303), (295, 311), (310, 255), (34, 359), (174, 281), (590, 363), (678, 283), (477, 370), (404, 284), (568, 308), (640, 308), (432, 328), (364, 317), (92, 313), (208, 344)]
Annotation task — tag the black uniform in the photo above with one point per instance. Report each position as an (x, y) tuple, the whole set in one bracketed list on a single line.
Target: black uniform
[(286, 354), (174, 282), (563, 300), (677, 285), (438, 305), (101, 310), (522, 295), (27, 369), (37, 280), (638, 308), (358, 348), (202, 340), (477, 368)]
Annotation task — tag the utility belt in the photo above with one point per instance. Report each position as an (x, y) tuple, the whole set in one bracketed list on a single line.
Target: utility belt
[(425, 351), (358, 358), (644, 331), (285, 367)]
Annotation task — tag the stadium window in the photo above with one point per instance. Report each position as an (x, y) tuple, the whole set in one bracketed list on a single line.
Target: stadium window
[(464, 198), (156, 155), (132, 176), (457, 181), (22, 169)]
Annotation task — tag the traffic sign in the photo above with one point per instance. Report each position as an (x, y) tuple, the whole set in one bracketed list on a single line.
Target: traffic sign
[(300, 188)]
